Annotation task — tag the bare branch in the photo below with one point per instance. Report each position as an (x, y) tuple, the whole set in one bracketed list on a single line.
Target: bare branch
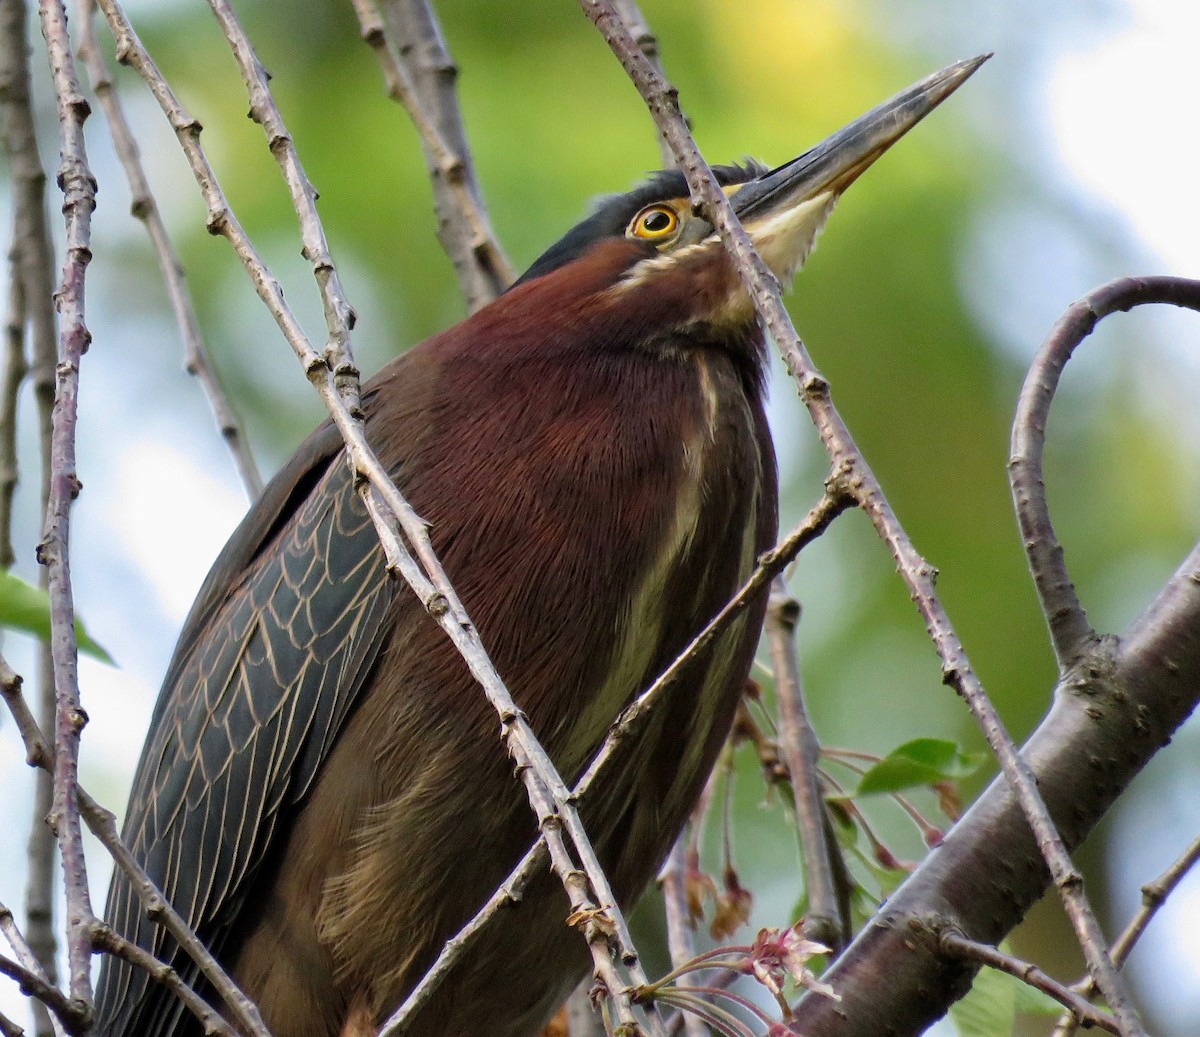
[(15, 369), (631, 15), (32, 286), (824, 920), (421, 76), (339, 316), (31, 239), (336, 379), (104, 938), (770, 563), (33, 982), (679, 928), (1070, 632), (1154, 895), (955, 945), (29, 972), (145, 208), (79, 201)]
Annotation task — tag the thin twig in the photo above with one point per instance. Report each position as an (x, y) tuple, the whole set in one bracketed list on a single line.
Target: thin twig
[(8, 1028), (770, 564), (629, 13), (32, 982), (823, 921), (339, 315), (857, 479), (679, 929), (1154, 895), (66, 1014), (15, 369), (421, 76), (955, 945), (79, 201), (144, 207), (33, 261), (106, 939), (1070, 632)]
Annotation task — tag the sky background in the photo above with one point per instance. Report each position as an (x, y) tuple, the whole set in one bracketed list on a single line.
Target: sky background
[(1069, 159)]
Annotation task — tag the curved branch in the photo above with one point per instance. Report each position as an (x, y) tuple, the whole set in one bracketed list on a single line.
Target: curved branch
[(1070, 632)]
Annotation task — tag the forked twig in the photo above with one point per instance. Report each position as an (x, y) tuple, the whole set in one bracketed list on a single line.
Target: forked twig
[(66, 1015), (1154, 895)]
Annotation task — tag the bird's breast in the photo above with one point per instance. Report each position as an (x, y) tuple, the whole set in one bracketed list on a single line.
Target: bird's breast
[(714, 434)]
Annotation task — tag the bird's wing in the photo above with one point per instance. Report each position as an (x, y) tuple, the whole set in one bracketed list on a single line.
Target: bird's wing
[(280, 642)]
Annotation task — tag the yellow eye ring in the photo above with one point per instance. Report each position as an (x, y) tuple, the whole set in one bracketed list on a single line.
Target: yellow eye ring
[(654, 223)]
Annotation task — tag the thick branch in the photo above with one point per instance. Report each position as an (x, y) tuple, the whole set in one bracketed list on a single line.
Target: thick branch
[(1110, 716)]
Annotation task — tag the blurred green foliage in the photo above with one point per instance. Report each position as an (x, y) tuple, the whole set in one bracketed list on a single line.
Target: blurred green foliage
[(889, 304)]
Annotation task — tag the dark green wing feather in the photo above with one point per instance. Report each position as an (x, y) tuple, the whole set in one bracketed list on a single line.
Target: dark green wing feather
[(281, 640)]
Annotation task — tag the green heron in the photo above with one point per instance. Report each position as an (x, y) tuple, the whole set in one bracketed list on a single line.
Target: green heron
[(323, 794)]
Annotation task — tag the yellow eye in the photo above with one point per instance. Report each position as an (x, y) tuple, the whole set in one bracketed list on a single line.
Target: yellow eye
[(654, 223)]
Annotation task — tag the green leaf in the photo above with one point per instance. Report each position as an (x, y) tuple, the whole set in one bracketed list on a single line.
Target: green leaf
[(27, 608), (989, 1009), (923, 761)]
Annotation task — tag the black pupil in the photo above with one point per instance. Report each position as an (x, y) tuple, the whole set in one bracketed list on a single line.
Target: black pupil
[(656, 222)]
